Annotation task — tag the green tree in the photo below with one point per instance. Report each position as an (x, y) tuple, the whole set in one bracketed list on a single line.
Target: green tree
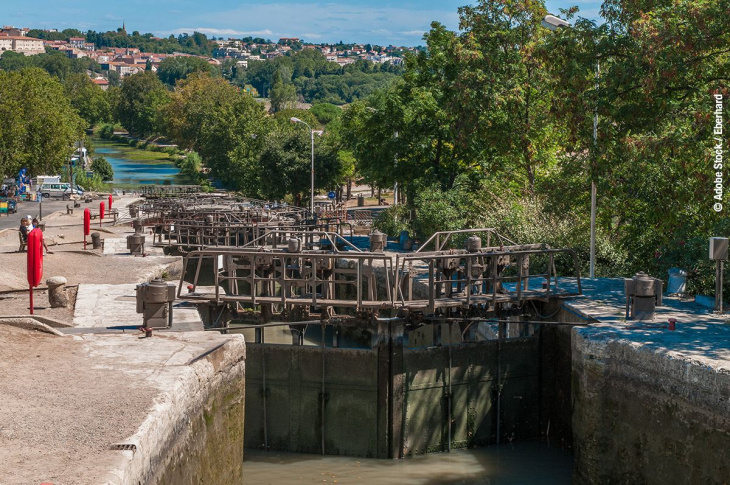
[(660, 66), (283, 95), (38, 125), (174, 69), (89, 99), (102, 168), (192, 166), (285, 164), (141, 98), (220, 122), (326, 112)]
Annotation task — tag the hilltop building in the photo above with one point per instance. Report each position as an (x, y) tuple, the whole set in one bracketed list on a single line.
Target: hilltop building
[(20, 44)]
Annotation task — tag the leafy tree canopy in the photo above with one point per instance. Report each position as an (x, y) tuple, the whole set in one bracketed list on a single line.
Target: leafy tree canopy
[(38, 125)]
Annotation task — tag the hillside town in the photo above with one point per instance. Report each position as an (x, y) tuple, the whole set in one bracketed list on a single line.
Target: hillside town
[(126, 61)]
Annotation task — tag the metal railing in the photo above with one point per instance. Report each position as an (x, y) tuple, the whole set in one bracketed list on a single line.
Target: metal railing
[(480, 279), (371, 281), (441, 238), (286, 280)]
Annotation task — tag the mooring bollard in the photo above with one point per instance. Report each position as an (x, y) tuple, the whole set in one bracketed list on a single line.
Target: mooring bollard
[(57, 292), (95, 240), (135, 244), (138, 227)]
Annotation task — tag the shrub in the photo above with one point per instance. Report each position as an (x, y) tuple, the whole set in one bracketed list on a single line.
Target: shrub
[(106, 131), (393, 220), (102, 168)]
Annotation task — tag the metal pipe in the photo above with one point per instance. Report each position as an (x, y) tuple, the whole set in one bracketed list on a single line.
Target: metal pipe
[(449, 396), (323, 376), (718, 286), (499, 378), (593, 182), (263, 365)]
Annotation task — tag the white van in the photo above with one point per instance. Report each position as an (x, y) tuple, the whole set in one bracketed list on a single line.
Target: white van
[(63, 190)]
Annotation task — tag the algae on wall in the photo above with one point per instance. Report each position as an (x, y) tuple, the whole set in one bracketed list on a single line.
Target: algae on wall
[(209, 448)]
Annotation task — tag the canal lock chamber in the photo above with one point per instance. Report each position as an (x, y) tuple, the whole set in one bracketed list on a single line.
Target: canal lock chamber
[(392, 390)]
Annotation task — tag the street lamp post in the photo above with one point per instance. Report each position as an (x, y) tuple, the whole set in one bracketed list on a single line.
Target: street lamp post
[(395, 162), (311, 195), (552, 22)]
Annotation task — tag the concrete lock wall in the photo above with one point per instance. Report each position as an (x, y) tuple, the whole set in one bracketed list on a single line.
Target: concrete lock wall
[(390, 401), (641, 417), (206, 444)]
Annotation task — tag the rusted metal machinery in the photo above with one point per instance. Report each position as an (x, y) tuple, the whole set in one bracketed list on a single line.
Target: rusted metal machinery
[(290, 283), (477, 279), (271, 262), (135, 244), (643, 295), (197, 222), (154, 301), (168, 190), (288, 280)]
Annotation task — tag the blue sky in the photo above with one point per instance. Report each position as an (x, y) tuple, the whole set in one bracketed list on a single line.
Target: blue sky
[(377, 22)]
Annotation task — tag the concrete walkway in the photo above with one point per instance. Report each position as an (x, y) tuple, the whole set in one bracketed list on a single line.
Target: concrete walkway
[(701, 336), (117, 246), (105, 306)]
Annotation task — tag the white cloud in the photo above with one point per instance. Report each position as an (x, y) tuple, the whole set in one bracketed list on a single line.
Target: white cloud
[(219, 32), (330, 22), (309, 36)]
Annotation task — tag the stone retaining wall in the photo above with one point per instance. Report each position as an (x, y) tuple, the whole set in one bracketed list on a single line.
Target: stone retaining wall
[(644, 416), (194, 434)]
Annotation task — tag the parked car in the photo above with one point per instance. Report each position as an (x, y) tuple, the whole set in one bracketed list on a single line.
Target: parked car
[(63, 190)]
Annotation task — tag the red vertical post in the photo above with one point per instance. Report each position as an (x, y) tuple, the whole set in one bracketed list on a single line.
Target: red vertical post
[(35, 261), (101, 212), (110, 204), (87, 224)]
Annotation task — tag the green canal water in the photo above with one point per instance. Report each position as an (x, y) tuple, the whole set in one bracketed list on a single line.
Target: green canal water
[(523, 463), (133, 166)]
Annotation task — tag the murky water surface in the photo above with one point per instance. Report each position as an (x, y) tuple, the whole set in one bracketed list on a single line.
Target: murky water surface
[(510, 464)]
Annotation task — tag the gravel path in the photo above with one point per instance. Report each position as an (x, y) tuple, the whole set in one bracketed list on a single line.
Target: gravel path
[(58, 413)]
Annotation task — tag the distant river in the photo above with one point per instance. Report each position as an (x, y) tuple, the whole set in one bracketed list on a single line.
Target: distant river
[(133, 166)]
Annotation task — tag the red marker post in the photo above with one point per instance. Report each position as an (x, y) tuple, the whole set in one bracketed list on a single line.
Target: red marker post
[(101, 212), (35, 261), (110, 204), (87, 224)]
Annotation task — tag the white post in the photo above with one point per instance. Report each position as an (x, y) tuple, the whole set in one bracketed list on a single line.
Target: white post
[(395, 166), (311, 199), (311, 195), (593, 184)]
